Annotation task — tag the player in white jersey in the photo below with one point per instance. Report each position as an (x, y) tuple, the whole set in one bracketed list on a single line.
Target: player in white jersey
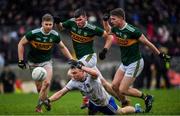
[(88, 82)]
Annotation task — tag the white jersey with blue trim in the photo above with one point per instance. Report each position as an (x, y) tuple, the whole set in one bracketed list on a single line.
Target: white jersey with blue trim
[(92, 88)]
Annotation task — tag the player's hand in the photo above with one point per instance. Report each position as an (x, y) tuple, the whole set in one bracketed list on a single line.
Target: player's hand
[(102, 54), (57, 19), (79, 65), (165, 57), (72, 62), (75, 64), (106, 17), (22, 64)]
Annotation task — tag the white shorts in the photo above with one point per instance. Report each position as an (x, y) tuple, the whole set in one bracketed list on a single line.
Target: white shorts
[(133, 69), (43, 64), (89, 60)]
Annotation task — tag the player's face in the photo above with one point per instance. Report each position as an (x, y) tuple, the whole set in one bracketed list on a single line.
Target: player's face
[(47, 26), (81, 21), (77, 74), (116, 21)]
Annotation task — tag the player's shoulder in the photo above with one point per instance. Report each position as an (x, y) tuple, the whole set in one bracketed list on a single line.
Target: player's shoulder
[(54, 32), (37, 30), (72, 19), (131, 28), (90, 26)]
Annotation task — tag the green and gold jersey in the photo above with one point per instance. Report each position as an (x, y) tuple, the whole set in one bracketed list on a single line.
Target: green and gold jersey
[(41, 45), (127, 39), (82, 37)]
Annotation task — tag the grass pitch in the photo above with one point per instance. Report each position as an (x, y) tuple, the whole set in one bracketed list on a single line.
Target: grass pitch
[(166, 102)]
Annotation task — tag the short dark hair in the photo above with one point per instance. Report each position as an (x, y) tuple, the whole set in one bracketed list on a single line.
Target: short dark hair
[(79, 12), (72, 66), (119, 12), (47, 17)]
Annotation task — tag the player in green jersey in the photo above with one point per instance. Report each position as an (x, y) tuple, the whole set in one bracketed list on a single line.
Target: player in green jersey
[(82, 34), (128, 38), (41, 42)]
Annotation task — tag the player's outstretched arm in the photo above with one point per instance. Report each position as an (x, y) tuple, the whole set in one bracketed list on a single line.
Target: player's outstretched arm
[(163, 56), (58, 94), (144, 40), (22, 43), (65, 51), (90, 71)]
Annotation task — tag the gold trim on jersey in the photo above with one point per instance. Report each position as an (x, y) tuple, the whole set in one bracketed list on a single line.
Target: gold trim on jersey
[(79, 38), (41, 46), (125, 42)]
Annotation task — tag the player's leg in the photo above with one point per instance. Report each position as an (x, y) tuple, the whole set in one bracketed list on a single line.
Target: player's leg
[(46, 84), (125, 87), (92, 109), (127, 90), (106, 84), (126, 110), (38, 86), (133, 70), (109, 89), (116, 83), (37, 83), (110, 109)]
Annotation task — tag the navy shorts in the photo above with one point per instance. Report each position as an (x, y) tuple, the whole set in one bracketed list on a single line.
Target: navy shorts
[(109, 109)]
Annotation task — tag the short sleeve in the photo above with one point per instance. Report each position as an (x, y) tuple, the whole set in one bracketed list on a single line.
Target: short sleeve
[(57, 37), (29, 36), (67, 24), (58, 40), (137, 33), (70, 85), (99, 31)]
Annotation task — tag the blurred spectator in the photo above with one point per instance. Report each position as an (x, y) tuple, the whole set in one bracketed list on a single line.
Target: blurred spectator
[(161, 71), (7, 80), (18, 86), (2, 61), (145, 78), (163, 34), (150, 29)]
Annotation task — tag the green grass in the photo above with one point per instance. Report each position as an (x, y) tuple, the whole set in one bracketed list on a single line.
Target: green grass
[(166, 102)]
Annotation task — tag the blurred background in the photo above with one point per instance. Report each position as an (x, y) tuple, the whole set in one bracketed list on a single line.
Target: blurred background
[(158, 19)]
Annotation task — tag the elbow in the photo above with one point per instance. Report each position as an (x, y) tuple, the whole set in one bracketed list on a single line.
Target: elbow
[(19, 45), (95, 74)]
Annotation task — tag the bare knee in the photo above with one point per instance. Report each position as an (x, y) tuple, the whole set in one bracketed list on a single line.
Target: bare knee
[(39, 88), (122, 91)]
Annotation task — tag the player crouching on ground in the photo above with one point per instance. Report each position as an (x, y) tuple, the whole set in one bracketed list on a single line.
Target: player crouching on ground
[(86, 80)]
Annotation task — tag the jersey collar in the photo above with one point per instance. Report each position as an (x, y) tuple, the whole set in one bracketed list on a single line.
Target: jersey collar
[(84, 79), (85, 24), (123, 27), (44, 32)]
